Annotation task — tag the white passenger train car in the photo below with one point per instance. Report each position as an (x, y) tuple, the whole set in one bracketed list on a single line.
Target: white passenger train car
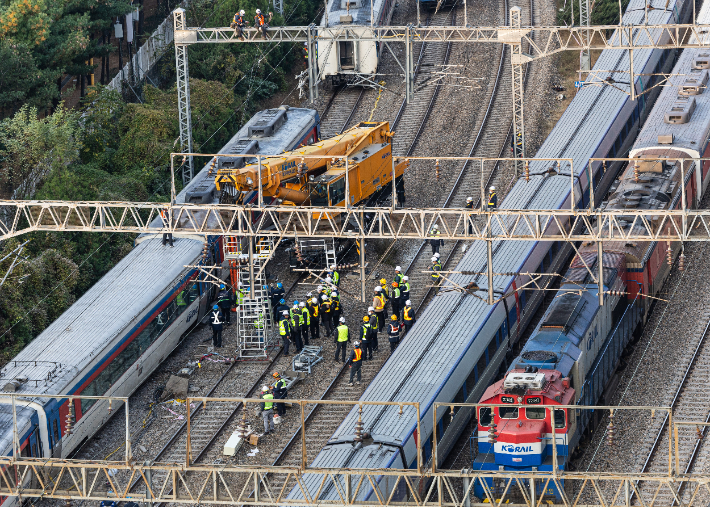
[(352, 62)]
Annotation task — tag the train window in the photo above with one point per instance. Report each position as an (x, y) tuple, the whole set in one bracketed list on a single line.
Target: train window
[(559, 418), (535, 413), (127, 358), (485, 416), (319, 194), (347, 55), (491, 349), (337, 191), (508, 412), (55, 430)]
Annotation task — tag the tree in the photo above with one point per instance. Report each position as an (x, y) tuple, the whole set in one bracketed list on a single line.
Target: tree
[(19, 77), (30, 148)]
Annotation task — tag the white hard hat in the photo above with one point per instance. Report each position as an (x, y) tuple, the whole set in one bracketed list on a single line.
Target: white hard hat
[(328, 279), (333, 293), (324, 297), (295, 304), (434, 226), (492, 187), (469, 199), (333, 266), (398, 268), (242, 13), (378, 289), (408, 302), (258, 11), (284, 312), (371, 309), (264, 389), (406, 278), (433, 259), (314, 301), (437, 255), (320, 287), (302, 304), (342, 319), (239, 284), (356, 344)]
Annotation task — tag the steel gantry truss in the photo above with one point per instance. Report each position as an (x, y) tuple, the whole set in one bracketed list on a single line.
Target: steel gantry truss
[(425, 484), (527, 43), (183, 91)]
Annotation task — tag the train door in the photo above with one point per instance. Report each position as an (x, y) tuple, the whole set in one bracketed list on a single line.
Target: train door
[(346, 50)]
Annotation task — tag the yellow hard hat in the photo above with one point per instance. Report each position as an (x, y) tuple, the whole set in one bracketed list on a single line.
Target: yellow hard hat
[(383, 281), (366, 319), (394, 317)]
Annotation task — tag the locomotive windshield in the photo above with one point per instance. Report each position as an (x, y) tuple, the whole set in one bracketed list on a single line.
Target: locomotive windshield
[(485, 416), (319, 194), (508, 412)]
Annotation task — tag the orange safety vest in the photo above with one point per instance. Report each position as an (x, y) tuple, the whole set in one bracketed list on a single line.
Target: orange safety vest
[(315, 310), (358, 355), (260, 17)]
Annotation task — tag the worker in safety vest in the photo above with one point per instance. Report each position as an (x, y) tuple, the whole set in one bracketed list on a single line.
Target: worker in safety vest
[(238, 23), (342, 337), (305, 322), (393, 333), (165, 217), (259, 325), (285, 331), (435, 268), (469, 205), (335, 306), (396, 295), (385, 291), (435, 239), (280, 309), (217, 320), (405, 287), (378, 302), (492, 199), (262, 24), (314, 311), (225, 302), (326, 315), (374, 323), (280, 393), (398, 276), (329, 287), (295, 314), (366, 337), (334, 275), (408, 317), (267, 410), (355, 362)]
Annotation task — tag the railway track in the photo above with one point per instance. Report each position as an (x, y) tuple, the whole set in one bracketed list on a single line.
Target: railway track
[(340, 110), (690, 403), (207, 423)]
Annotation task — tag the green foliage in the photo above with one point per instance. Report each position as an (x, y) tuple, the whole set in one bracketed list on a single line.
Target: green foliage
[(604, 12), (32, 299), (32, 148), (54, 36)]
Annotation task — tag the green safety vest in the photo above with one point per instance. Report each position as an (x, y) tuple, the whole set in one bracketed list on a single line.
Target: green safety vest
[(181, 299), (342, 333), (407, 288), (282, 327), (268, 405), (436, 267), (336, 277), (259, 324), (240, 297), (305, 317), (396, 293)]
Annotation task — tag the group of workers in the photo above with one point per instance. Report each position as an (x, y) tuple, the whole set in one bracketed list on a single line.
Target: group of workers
[(260, 22)]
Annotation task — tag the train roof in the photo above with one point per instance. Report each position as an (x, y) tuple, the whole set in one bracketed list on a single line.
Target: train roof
[(338, 12), (518, 382), (49, 364), (449, 326)]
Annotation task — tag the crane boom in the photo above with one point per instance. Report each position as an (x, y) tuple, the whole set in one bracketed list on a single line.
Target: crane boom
[(296, 179)]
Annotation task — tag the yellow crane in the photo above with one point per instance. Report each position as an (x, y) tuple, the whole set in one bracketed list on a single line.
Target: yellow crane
[(298, 180)]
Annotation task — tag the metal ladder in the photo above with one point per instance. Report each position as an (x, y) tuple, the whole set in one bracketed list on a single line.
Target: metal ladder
[(254, 314)]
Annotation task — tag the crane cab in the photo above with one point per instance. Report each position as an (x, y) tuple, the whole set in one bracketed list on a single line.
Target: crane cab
[(327, 190)]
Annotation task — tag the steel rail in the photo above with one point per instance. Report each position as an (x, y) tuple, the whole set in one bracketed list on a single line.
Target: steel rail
[(657, 440)]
